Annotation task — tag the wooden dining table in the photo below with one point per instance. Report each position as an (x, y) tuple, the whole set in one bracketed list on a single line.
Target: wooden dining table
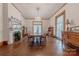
[(35, 40)]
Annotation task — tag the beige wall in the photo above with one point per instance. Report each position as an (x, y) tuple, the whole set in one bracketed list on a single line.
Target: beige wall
[(71, 13), (45, 25), (29, 25), (1, 22), (12, 11), (5, 22)]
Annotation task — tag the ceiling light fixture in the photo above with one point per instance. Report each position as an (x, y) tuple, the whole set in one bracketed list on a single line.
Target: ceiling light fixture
[(37, 18)]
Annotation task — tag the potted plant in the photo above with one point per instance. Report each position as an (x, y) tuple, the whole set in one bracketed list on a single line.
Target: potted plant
[(17, 35)]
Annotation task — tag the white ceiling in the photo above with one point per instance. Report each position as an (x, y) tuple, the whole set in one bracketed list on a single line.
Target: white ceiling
[(46, 10)]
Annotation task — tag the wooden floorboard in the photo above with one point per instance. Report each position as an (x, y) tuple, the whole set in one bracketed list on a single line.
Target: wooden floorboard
[(53, 48)]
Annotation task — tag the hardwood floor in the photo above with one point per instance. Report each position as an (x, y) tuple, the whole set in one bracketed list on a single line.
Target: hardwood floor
[(53, 48)]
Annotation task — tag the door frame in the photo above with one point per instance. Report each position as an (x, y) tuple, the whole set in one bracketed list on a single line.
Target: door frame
[(37, 24), (62, 13)]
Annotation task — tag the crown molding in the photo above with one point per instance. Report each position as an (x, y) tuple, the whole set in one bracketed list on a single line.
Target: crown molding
[(58, 10), (42, 17), (29, 18), (18, 10)]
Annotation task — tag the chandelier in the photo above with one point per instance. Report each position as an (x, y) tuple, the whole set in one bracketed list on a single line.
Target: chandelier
[(37, 18)]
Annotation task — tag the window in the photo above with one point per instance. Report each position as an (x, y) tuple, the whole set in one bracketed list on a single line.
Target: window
[(37, 27), (60, 25)]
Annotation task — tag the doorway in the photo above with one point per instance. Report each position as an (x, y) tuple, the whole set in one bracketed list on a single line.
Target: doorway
[(60, 25)]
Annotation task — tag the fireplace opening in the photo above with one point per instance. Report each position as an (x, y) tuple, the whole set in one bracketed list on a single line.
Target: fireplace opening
[(17, 36)]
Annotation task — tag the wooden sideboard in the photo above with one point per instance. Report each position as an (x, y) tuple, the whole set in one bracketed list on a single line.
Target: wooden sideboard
[(71, 38)]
